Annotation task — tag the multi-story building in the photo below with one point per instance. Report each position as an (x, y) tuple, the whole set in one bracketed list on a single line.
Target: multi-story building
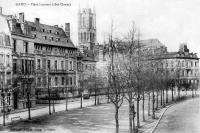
[(184, 64), (44, 57), (5, 64)]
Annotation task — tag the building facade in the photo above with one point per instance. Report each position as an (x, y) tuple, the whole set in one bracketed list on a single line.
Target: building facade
[(44, 58), (5, 65)]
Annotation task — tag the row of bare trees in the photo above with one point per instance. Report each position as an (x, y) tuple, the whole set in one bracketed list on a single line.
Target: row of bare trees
[(135, 75)]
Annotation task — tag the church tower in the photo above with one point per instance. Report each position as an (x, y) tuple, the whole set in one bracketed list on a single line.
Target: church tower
[(86, 29)]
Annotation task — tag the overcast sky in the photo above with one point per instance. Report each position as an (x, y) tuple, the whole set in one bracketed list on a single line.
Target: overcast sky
[(171, 21)]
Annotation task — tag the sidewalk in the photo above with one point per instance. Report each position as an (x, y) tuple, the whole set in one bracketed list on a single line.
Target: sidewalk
[(150, 124)]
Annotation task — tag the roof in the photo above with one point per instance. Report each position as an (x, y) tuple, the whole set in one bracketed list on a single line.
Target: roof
[(42, 33)]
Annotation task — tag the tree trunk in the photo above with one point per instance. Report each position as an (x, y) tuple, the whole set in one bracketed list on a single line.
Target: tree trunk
[(157, 99), (95, 98), (134, 129), (138, 114), (172, 94), (81, 100), (166, 95), (161, 96), (67, 100), (143, 107), (192, 92), (108, 97), (130, 116), (153, 102), (116, 119), (149, 98), (53, 104)]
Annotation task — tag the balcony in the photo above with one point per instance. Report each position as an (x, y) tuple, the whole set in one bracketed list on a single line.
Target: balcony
[(60, 71), (57, 71)]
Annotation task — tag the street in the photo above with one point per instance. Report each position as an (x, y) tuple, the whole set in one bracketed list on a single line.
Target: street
[(183, 117), (90, 119)]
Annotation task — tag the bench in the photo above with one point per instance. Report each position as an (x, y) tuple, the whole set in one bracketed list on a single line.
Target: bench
[(16, 118)]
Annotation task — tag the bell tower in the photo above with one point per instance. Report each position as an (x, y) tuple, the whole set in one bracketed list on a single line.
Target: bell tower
[(86, 29)]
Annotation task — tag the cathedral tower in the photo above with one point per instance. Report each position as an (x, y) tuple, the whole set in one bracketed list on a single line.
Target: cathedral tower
[(86, 29)]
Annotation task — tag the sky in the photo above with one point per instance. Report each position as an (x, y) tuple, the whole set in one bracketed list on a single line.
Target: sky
[(171, 21)]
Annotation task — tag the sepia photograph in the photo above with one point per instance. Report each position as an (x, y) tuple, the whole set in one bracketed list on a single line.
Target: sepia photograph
[(99, 66)]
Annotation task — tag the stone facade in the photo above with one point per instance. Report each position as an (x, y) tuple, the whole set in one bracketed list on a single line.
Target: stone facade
[(43, 57), (5, 65)]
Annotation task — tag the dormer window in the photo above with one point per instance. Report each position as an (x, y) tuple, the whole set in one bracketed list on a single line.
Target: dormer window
[(57, 39), (34, 35), (45, 37), (57, 33)]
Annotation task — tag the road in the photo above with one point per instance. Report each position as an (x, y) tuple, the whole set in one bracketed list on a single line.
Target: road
[(183, 117), (45, 110)]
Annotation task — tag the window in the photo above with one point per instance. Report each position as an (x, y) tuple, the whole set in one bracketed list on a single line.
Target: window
[(15, 66), (50, 31), (45, 37), (38, 64), (63, 80), (49, 81), (70, 65), (34, 35), (55, 65), (191, 64), (70, 80), (74, 80), (48, 64), (57, 33), (33, 28), (62, 65), (39, 81), (57, 39), (52, 38), (56, 81), (26, 47), (182, 63), (7, 60), (43, 30), (1, 59)]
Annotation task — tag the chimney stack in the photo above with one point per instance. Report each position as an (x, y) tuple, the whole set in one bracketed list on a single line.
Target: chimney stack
[(21, 17), (67, 29), (37, 20)]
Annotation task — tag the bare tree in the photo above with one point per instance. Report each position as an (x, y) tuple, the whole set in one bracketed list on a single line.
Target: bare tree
[(115, 83)]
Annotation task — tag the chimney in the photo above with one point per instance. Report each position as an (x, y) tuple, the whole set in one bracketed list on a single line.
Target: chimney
[(55, 25), (21, 17), (67, 29), (37, 20), (1, 13)]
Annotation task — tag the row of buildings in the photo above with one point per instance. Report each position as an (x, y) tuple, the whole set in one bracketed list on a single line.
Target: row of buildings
[(36, 58)]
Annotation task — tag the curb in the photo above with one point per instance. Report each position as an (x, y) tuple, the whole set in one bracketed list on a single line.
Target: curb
[(164, 113), (160, 119)]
